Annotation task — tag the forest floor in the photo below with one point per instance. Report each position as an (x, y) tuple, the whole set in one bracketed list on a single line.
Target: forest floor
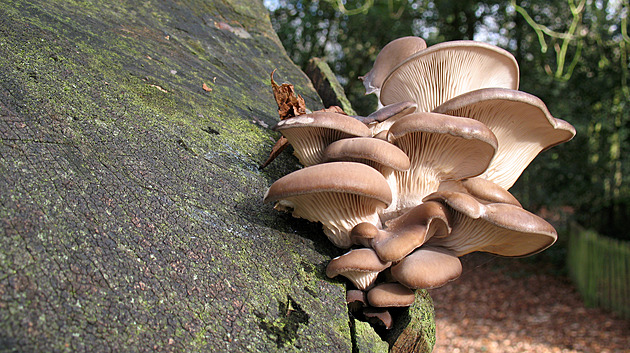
[(521, 305)]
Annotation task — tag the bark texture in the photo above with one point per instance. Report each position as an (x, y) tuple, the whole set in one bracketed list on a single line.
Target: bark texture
[(131, 215)]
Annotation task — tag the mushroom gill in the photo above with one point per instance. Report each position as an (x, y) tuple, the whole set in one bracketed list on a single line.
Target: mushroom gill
[(521, 122), (310, 134), (340, 195), (440, 147), (446, 70)]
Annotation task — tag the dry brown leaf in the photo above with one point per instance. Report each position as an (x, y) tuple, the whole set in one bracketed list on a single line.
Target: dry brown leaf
[(280, 145), (289, 103)]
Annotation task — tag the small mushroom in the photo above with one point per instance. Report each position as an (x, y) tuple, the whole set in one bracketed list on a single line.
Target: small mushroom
[(356, 299), (404, 234), (446, 70), (310, 134), (387, 295), (498, 228), (381, 120), (391, 55), (360, 266), (483, 190), (440, 147), (340, 195), (427, 267), (379, 317), (379, 154), (520, 121)]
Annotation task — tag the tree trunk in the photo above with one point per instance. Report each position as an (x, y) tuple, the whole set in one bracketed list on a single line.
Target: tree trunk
[(131, 214)]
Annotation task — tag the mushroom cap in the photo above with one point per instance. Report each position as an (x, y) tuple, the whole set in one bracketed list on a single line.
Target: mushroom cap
[(340, 195), (387, 295), (499, 228), (391, 55), (409, 231), (485, 191), (427, 267), (363, 233), (309, 134), (440, 147), (382, 119), (356, 299), (521, 122), (379, 317), (373, 152), (360, 266), (446, 70)]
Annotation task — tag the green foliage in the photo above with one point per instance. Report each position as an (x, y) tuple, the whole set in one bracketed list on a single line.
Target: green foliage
[(572, 54)]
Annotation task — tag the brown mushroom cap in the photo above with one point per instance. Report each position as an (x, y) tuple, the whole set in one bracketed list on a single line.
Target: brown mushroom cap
[(376, 153), (521, 122), (483, 190), (309, 134), (360, 266), (446, 70), (439, 148), (391, 55), (387, 295), (409, 231), (379, 317), (498, 228), (381, 120), (427, 267), (340, 195), (356, 299)]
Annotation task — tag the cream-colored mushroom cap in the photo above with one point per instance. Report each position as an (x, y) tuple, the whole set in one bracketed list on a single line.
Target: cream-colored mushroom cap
[(446, 70), (521, 122), (387, 295), (391, 55), (310, 134), (376, 153), (498, 228), (427, 267), (360, 266), (440, 147), (340, 195)]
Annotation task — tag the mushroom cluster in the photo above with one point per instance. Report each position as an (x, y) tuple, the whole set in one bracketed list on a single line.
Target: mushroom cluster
[(424, 179)]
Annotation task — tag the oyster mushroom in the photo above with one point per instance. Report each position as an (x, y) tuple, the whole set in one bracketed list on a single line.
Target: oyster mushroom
[(391, 55), (309, 134), (485, 191), (379, 317), (360, 266), (387, 295), (404, 234), (340, 195), (379, 154), (427, 267), (498, 228), (381, 120), (440, 147), (520, 121), (446, 70)]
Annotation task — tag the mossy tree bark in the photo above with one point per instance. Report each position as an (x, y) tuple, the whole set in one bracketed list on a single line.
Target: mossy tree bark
[(130, 211)]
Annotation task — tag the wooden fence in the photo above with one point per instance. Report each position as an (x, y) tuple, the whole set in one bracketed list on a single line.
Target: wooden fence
[(600, 268)]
